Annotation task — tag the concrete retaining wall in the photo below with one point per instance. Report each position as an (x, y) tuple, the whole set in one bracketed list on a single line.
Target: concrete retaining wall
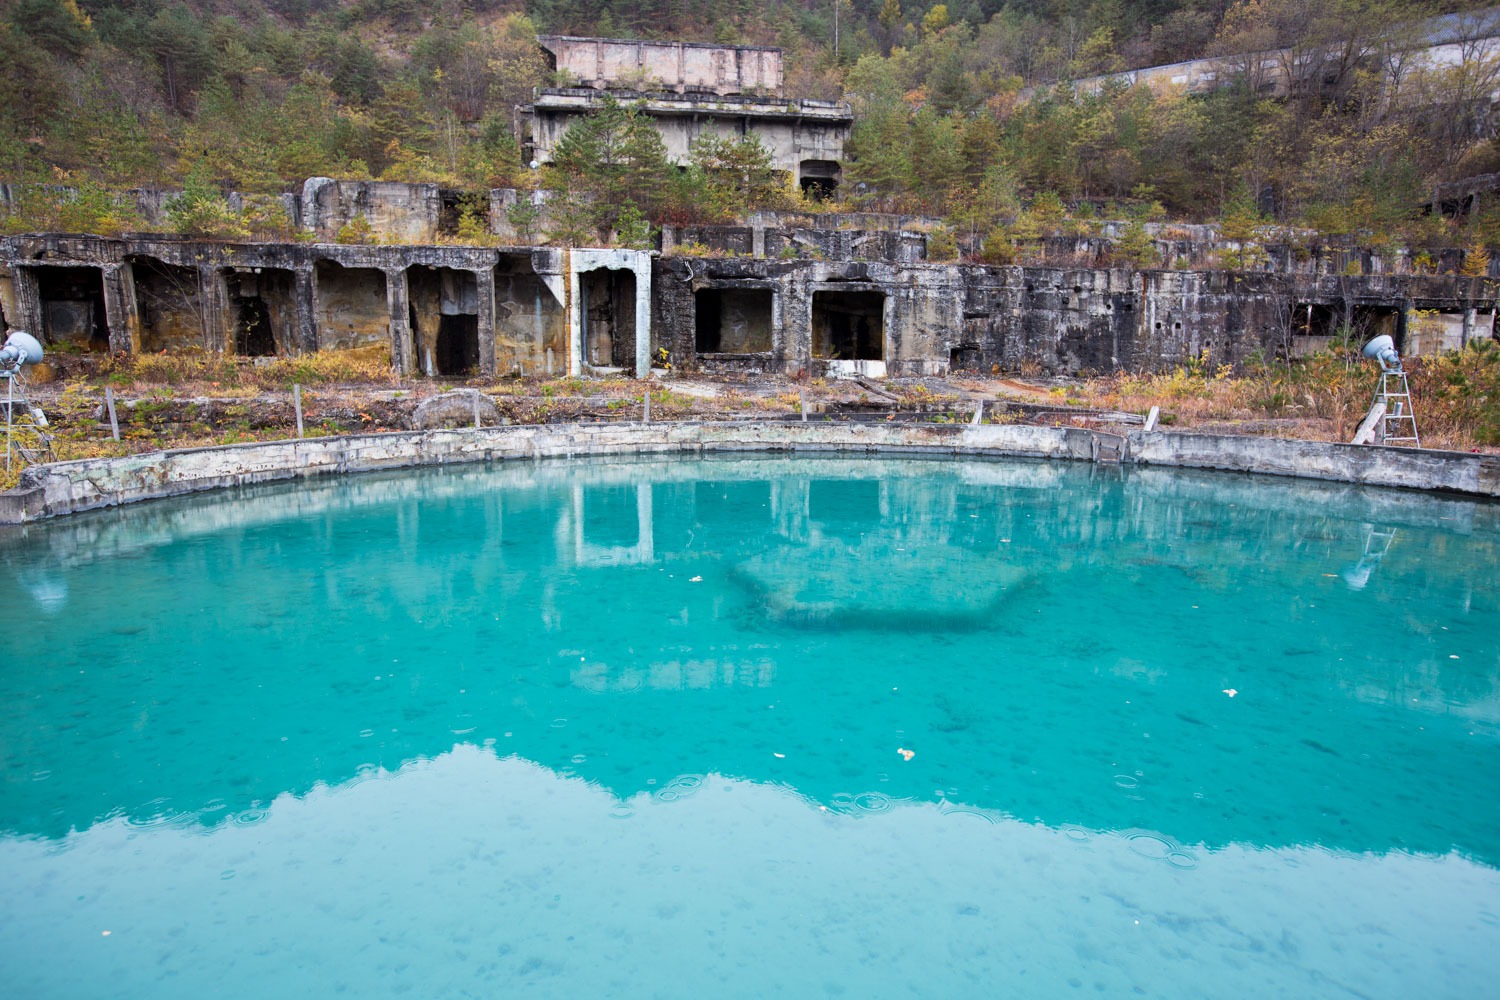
[(70, 487)]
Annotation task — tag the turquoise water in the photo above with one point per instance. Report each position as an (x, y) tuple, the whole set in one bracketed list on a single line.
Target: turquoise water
[(755, 727)]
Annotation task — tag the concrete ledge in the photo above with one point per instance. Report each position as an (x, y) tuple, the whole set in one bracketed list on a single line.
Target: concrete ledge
[(70, 487)]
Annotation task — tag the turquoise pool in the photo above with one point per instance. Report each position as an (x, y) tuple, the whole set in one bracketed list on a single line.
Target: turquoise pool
[(755, 727)]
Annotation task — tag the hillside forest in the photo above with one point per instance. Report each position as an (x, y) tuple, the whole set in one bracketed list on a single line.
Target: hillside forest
[(965, 110)]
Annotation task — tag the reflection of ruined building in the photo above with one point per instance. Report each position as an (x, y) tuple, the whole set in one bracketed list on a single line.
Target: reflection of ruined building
[(690, 90), (451, 310)]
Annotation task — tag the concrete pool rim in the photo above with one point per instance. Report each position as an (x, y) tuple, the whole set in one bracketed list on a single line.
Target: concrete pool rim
[(62, 488)]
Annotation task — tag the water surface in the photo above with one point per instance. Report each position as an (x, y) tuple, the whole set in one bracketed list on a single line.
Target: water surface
[(755, 727)]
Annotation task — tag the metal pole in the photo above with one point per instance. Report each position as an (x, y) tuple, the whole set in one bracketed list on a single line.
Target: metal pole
[(297, 402), (646, 412), (109, 404), (10, 401)]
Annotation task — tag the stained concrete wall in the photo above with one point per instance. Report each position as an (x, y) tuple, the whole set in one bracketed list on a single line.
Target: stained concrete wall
[(398, 212), (608, 63), (793, 131), (523, 303), (69, 487)]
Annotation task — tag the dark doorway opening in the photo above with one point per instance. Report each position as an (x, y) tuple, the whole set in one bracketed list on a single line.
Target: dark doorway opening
[(733, 320), (609, 318), (820, 178), (252, 329), (457, 345), (72, 301), (262, 303), (444, 311), (849, 326)]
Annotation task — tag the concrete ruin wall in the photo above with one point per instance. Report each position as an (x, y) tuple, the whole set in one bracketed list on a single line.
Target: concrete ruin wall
[(805, 138), (447, 311), (608, 63)]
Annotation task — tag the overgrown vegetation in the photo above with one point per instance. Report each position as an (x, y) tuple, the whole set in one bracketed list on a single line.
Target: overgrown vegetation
[(100, 95), (1455, 395)]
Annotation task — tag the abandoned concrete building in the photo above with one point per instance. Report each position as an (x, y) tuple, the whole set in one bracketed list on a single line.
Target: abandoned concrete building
[(878, 310), (690, 89)]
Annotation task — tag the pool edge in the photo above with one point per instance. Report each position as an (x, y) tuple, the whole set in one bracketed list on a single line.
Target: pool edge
[(63, 488)]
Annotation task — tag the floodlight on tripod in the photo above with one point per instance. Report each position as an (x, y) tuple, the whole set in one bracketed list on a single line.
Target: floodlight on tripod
[(20, 350), (1391, 410), (1383, 349)]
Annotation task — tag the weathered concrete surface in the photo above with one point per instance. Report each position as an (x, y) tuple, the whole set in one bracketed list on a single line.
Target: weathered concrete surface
[(607, 63), (804, 137), (69, 487), (447, 310)]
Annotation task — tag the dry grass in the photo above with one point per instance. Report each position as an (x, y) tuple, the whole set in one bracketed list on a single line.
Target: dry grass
[(1456, 397)]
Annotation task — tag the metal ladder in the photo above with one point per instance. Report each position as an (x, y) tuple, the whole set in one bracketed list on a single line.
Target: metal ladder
[(1399, 424)]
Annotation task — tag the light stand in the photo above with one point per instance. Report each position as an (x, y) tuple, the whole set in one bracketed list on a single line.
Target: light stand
[(1396, 418)]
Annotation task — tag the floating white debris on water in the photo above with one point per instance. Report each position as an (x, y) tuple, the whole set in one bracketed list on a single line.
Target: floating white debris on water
[(908, 754), (1231, 692)]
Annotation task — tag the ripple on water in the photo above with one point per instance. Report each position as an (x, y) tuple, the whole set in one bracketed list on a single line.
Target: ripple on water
[(1158, 848), (950, 809), (248, 817), (679, 787)]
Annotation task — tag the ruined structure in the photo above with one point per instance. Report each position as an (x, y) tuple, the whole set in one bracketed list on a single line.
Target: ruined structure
[(438, 310), (880, 310), (688, 90)]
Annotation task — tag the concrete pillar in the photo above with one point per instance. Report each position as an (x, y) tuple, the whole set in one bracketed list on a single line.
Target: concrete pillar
[(484, 281), (28, 315), (120, 316), (1471, 315), (398, 303), (577, 315), (213, 298), (642, 316), (305, 292)]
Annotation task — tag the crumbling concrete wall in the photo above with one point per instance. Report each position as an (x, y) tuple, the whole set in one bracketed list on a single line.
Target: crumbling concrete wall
[(539, 309), (608, 63), (1060, 320), (407, 213), (805, 138)]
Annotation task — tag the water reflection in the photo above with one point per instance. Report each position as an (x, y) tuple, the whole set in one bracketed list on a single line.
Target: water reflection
[(1028, 632)]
